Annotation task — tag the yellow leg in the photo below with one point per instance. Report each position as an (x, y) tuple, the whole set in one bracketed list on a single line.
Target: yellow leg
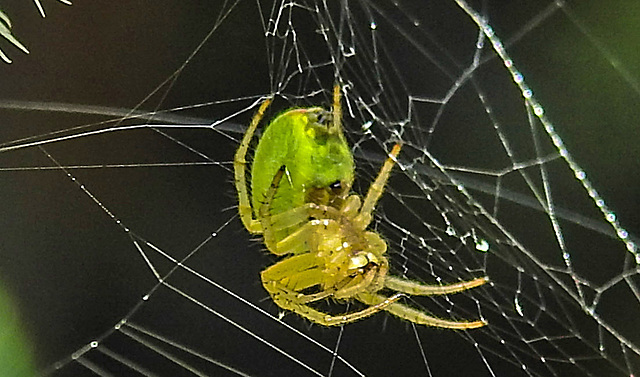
[(337, 108), (417, 316), (416, 289), (296, 274), (296, 241), (292, 275), (355, 285), (375, 190), (239, 169), (332, 320), (300, 215), (287, 278)]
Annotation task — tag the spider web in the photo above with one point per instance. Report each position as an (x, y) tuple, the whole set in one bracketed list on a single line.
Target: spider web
[(121, 237)]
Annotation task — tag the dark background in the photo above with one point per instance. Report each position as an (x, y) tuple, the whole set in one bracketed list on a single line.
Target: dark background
[(75, 272)]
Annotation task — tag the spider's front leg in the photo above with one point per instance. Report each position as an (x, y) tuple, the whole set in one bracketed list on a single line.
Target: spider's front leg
[(334, 272), (375, 190), (286, 278), (331, 271), (239, 170), (289, 277)]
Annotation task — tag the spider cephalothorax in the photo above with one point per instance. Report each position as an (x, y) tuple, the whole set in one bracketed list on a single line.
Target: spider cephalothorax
[(301, 180)]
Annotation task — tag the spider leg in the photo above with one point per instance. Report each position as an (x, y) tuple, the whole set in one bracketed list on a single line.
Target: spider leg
[(285, 301), (299, 215), (337, 107), (295, 242), (337, 320), (303, 271), (239, 170), (292, 275), (336, 275), (354, 285), (375, 190), (287, 278), (371, 276), (417, 316), (416, 289)]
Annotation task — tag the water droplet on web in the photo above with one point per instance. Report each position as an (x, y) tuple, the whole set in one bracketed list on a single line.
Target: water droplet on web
[(516, 303), (482, 245), (488, 31), (517, 77)]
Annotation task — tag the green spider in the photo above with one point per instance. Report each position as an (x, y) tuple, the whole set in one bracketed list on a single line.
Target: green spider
[(311, 220)]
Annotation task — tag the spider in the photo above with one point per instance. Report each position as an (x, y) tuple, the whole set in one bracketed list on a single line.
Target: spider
[(317, 226)]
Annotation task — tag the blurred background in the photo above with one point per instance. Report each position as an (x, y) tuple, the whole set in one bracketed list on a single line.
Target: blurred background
[(73, 272)]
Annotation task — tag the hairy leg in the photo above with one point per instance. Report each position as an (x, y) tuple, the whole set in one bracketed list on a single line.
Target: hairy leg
[(239, 170), (417, 316), (416, 289), (375, 190)]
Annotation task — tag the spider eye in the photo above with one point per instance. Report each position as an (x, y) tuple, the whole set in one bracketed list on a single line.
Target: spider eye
[(323, 118), (337, 185)]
